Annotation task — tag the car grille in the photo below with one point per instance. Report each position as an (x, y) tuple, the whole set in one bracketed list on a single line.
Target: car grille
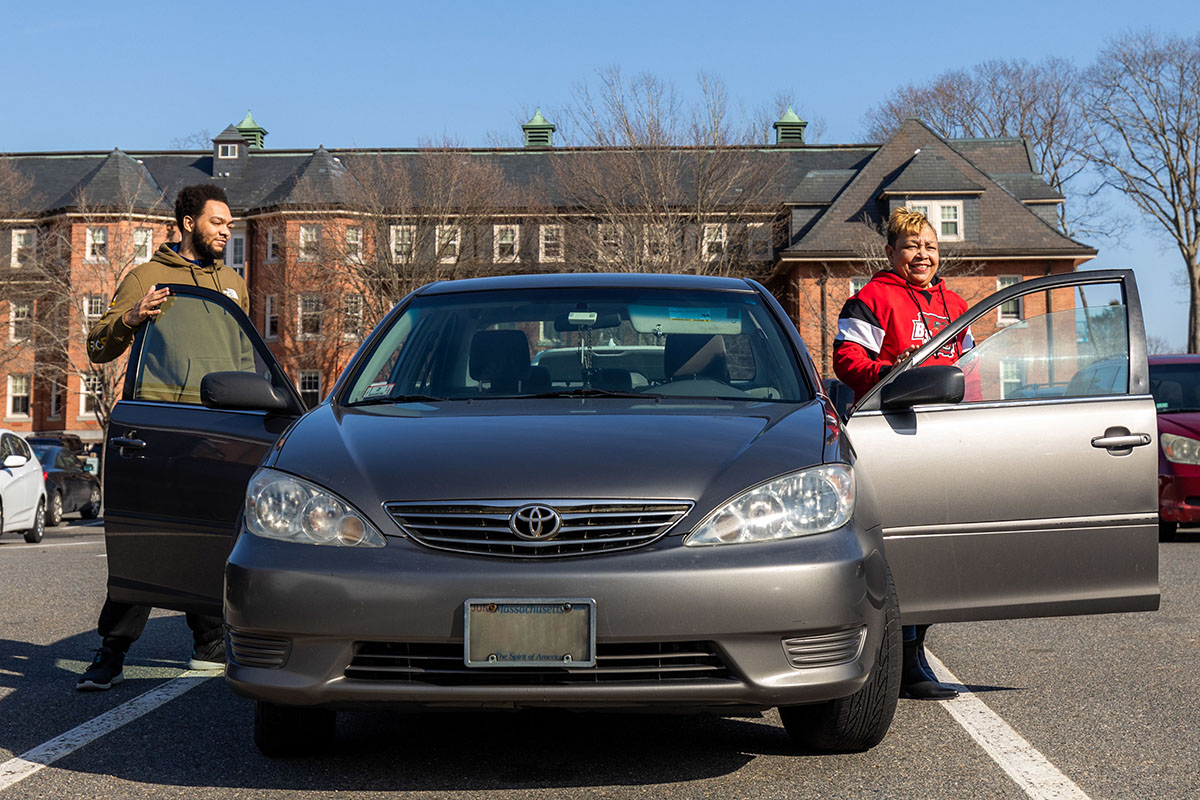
[(442, 664), (255, 650), (588, 526), (825, 650)]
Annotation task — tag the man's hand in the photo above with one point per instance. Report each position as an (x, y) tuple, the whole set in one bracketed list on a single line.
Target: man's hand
[(147, 307)]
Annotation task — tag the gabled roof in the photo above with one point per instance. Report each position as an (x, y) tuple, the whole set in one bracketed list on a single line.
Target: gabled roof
[(230, 134), (321, 180), (118, 181), (928, 171)]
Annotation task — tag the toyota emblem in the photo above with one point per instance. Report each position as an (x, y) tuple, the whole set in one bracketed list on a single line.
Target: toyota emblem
[(535, 522)]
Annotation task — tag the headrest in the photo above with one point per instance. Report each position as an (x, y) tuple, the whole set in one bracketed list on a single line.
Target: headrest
[(687, 354), (499, 355)]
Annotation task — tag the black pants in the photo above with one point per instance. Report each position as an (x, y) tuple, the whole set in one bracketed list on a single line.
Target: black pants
[(121, 624)]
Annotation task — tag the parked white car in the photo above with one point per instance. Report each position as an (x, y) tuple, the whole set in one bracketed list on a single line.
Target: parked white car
[(22, 489)]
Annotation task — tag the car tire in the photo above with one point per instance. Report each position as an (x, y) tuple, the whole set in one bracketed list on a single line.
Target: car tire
[(292, 730), (858, 722), (92, 509), (54, 511), (35, 534), (1167, 530)]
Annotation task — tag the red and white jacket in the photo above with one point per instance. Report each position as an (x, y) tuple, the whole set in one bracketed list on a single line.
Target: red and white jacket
[(886, 317)]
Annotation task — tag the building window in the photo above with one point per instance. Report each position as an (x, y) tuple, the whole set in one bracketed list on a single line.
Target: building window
[(1011, 376), (310, 387), (403, 240), (504, 243), (713, 243), (352, 316), (946, 217), (274, 252), (857, 284), (18, 395), (237, 254), (354, 244), (93, 309), (20, 321), (56, 399), (310, 242), (310, 316), (1011, 311), (449, 243), (22, 247), (227, 151), (656, 240), (143, 244), (609, 237), (91, 389), (97, 245), (270, 317), (758, 241), (550, 246)]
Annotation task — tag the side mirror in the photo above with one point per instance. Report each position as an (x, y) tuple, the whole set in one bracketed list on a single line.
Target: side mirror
[(14, 461), (937, 383), (240, 391)]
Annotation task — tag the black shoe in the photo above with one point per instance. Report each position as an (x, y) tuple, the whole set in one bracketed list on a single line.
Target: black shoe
[(915, 682), (208, 656), (107, 671)]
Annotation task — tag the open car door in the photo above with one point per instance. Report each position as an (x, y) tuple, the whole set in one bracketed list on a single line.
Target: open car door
[(175, 470), (1036, 494)]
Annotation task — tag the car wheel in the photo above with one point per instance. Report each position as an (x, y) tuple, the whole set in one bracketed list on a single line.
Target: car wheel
[(35, 534), (92, 509), (860, 721), (1167, 530), (54, 511), (292, 730)]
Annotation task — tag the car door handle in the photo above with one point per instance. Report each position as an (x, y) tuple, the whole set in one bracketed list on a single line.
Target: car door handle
[(123, 442), (1121, 442)]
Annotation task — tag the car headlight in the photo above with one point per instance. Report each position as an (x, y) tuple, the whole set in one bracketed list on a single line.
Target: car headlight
[(1179, 449), (811, 501), (281, 506)]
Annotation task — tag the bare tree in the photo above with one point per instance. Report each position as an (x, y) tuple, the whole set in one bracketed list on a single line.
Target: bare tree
[(20, 287), (1040, 102), (1143, 120), (661, 185)]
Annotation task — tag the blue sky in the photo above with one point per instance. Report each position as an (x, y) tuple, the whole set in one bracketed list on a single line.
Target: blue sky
[(141, 75)]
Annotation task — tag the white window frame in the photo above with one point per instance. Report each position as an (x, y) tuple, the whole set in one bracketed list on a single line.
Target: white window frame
[(1015, 379), (403, 236), (552, 234), (1013, 310), (310, 243), (19, 250), (306, 375), (655, 233), (352, 316), (270, 317), (501, 231), (57, 400), (301, 315), (13, 395), (234, 263), (354, 244), (146, 235), (93, 308), (227, 150), (714, 241), (90, 255), (609, 238), (272, 246), (85, 396), (857, 284), (14, 306), (935, 212), (449, 243)]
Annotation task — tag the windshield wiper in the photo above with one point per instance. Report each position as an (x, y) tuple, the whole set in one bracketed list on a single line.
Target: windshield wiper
[(403, 398), (591, 392)]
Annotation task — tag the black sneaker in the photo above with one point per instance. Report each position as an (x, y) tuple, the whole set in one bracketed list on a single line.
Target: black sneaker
[(208, 656), (107, 671)]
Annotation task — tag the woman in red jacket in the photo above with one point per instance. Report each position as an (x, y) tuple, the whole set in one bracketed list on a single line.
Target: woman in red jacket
[(900, 309)]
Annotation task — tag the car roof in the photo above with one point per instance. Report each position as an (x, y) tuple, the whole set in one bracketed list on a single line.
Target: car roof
[(590, 280), (1175, 358)]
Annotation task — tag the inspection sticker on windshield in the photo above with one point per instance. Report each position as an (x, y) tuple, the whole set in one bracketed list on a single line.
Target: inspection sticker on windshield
[(378, 390), (717, 315), (530, 633)]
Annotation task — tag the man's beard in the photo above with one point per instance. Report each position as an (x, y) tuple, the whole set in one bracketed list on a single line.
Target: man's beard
[(207, 251)]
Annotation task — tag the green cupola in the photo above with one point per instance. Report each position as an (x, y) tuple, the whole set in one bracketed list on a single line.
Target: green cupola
[(252, 132), (538, 131), (789, 129)]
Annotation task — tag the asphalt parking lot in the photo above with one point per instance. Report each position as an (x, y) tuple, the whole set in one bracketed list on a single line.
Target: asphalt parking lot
[(1083, 707)]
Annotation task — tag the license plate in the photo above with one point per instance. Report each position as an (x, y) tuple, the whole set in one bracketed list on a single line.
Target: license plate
[(530, 633)]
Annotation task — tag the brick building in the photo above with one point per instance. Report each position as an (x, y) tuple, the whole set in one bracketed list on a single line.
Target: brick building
[(329, 238)]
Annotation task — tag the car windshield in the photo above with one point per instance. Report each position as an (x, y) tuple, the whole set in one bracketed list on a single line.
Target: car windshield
[(44, 453), (1176, 387), (576, 342)]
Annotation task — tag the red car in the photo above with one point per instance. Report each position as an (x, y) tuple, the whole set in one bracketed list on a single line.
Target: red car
[(1175, 384)]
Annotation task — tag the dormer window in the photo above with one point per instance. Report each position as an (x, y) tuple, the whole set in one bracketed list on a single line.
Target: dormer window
[(946, 217), (227, 151)]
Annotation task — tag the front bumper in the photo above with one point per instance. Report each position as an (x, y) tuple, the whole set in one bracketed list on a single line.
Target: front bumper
[(314, 610), (1179, 493)]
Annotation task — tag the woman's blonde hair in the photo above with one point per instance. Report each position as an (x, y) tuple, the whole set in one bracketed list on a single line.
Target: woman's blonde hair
[(906, 222)]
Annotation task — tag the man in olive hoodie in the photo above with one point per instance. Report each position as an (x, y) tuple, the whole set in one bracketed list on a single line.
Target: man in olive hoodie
[(203, 217)]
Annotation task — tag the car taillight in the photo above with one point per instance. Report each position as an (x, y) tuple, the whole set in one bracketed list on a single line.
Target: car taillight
[(45, 475)]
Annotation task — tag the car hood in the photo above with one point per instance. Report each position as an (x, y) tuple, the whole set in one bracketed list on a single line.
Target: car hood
[(1184, 423), (557, 449)]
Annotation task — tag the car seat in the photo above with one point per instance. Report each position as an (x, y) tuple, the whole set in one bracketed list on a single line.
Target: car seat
[(500, 359)]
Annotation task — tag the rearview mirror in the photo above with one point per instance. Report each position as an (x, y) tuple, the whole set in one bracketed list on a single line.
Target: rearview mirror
[(937, 383)]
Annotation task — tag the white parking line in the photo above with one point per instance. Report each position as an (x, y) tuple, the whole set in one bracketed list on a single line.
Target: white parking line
[(43, 545), (21, 767), (1040, 779)]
